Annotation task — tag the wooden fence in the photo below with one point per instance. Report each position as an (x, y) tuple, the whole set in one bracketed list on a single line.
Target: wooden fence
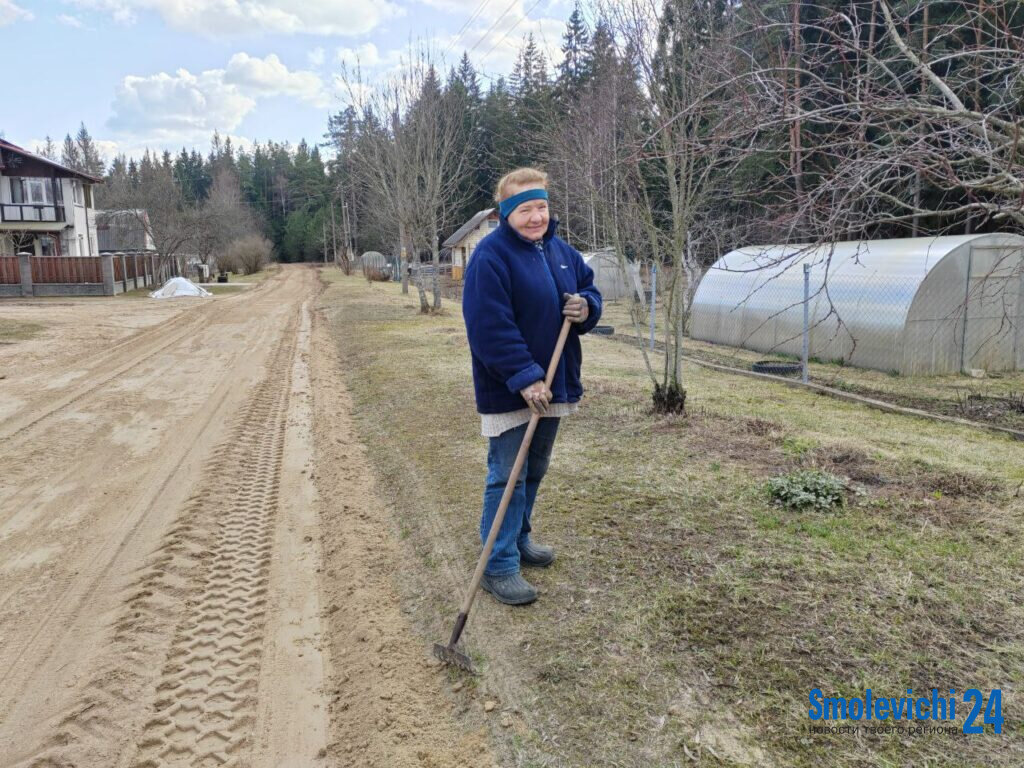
[(10, 273), (125, 270), (104, 275), (66, 269)]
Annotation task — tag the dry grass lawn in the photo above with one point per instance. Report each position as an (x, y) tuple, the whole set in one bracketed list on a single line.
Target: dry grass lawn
[(687, 617), (997, 398)]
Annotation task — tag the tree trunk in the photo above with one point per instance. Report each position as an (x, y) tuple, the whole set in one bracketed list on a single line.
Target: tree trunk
[(403, 259), (436, 287)]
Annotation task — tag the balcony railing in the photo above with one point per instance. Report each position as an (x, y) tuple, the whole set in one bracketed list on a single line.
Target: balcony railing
[(31, 212)]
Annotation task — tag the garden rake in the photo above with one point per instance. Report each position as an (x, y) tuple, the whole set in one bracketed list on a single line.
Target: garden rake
[(449, 654)]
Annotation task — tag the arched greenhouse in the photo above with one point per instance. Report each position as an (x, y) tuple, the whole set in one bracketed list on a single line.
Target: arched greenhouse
[(375, 262), (927, 305)]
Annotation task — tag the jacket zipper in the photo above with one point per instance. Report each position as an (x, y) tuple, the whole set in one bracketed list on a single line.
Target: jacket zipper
[(539, 245)]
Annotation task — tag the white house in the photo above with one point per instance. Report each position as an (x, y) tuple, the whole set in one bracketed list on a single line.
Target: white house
[(467, 236), (45, 208)]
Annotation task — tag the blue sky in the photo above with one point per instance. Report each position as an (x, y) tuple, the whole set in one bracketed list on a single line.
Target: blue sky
[(166, 73)]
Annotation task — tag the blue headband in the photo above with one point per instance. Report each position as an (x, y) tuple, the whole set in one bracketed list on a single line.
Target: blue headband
[(509, 204)]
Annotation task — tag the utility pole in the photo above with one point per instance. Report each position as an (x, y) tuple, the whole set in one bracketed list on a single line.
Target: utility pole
[(349, 250), (334, 236)]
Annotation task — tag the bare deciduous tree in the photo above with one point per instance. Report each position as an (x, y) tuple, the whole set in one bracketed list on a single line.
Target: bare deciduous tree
[(411, 157), (672, 180), (156, 203), (915, 114)]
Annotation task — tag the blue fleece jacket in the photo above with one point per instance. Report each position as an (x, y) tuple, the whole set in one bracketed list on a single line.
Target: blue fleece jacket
[(512, 304)]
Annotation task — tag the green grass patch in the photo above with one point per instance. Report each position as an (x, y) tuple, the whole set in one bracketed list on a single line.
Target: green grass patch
[(688, 616)]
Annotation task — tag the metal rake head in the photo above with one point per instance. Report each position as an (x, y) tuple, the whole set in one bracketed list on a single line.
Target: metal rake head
[(449, 655)]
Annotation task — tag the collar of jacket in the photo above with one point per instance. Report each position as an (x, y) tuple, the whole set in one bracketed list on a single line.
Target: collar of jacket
[(509, 232)]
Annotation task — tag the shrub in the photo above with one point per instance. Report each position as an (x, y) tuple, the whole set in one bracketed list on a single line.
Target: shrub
[(808, 489), (376, 275), (250, 253), (227, 261)]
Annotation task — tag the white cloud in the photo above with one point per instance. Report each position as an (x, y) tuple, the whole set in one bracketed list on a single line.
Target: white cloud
[(229, 18), (465, 7), (493, 42), (179, 103), (270, 77), (70, 21), (10, 13), (186, 108), (365, 56)]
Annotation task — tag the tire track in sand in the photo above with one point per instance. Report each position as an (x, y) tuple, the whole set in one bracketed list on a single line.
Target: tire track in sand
[(194, 618), (205, 702)]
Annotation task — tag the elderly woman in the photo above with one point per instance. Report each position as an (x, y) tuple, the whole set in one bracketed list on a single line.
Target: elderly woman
[(520, 282)]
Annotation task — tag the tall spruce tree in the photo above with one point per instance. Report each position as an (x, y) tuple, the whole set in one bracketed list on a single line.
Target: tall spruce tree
[(89, 157), (70, 155), (575, 67)]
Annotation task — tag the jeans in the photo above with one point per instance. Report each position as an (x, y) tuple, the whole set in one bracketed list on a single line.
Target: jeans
[(515, 528)]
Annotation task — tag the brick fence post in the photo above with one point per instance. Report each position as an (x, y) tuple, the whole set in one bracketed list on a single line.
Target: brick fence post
[(25, 270), (107, 270)]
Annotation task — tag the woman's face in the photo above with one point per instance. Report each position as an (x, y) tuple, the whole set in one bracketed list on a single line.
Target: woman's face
[(531, 218)]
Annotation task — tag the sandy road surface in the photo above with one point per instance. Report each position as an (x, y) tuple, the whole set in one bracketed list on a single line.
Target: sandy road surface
[(139, 512), (167, 558)]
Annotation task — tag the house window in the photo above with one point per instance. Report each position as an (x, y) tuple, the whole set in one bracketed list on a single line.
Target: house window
[(88, 195), (29, 191), (76, 190), (38, 191), (47, 246)]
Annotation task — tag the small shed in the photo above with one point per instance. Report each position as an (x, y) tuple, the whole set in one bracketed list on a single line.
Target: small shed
[(124, 230), (609, 277), (917, 306), (466, 237)]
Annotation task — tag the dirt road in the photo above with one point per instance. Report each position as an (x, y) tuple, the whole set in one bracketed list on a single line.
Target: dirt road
[(165, 596)]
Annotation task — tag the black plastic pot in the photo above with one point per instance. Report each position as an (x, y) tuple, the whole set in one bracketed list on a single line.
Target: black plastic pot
[(777, 368)]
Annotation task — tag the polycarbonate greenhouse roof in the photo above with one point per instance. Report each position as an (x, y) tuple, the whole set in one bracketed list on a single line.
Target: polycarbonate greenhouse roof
[(913, 305)]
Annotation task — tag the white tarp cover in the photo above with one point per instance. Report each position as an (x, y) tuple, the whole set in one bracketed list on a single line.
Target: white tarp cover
[(179, 286)]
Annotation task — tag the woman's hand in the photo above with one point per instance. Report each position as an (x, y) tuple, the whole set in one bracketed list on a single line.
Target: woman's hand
[(537, 397), (576, 307)]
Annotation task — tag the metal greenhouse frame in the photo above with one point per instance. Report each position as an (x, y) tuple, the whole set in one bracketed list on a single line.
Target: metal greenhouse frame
[(917, 306)]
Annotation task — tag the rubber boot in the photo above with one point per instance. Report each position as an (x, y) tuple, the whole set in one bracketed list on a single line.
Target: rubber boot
[(512, 589), (536, 555)]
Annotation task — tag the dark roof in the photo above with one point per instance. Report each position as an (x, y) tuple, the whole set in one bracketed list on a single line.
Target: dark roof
[(15, 149), (462, 232)]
